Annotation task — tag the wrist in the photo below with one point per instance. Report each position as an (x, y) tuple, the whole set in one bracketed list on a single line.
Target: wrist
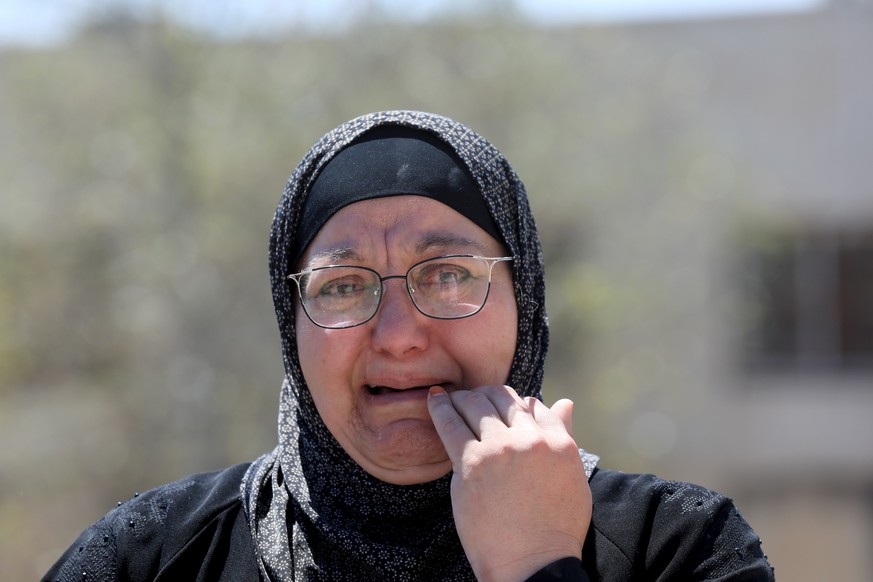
[(565, 569), (527, 565)]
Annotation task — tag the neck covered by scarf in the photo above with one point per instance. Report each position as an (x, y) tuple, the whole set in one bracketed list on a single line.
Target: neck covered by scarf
[(313, 512)]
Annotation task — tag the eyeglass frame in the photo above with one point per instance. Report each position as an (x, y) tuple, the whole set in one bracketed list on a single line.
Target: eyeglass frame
[(491, 261)]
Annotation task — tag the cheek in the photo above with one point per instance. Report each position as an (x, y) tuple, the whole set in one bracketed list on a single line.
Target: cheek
[(508, 332), (488, 348), (321, 371), (317, 360), (505, 317), (307, 344), (327, 360), (507, 345)]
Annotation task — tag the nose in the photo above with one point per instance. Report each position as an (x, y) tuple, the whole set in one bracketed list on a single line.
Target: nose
[(398, 327)]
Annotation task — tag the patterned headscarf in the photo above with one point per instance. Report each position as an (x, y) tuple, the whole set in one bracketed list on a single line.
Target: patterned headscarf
[(316, 514)]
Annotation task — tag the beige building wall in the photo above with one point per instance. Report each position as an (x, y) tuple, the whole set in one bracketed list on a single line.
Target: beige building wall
[(794, 445)]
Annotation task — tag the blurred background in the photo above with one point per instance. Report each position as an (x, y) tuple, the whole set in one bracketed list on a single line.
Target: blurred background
[(701, 170)]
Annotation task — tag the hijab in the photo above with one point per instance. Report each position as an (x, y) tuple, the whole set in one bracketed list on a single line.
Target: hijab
[(314, 513)]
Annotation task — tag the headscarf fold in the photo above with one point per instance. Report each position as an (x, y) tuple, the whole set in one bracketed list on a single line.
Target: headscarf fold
[(314, 513)]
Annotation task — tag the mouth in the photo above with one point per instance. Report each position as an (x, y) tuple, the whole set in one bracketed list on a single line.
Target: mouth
[(375, 390)]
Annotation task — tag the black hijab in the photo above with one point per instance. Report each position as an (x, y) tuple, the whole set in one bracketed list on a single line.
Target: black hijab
[(313, 512)]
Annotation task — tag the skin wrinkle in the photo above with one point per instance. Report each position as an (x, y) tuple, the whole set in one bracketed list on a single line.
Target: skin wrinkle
[(439, 243), (333, 257), (400, 445)]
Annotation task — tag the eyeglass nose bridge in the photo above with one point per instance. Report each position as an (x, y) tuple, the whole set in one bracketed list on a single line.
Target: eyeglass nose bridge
[(386, 277), (409, 290)]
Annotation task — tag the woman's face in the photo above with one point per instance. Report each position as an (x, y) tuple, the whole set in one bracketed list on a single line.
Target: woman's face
[(370, 382)]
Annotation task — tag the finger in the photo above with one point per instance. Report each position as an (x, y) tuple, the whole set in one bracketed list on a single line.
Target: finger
[(563, 408), (450, 426), (511, 407), (478, 411), (558, 417)]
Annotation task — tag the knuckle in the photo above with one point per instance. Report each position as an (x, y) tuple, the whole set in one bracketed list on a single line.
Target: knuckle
[(450, 421), (472, 398)]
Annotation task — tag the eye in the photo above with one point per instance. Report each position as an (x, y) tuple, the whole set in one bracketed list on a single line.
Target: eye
[(336, 289), (441, 275), (342, 287)]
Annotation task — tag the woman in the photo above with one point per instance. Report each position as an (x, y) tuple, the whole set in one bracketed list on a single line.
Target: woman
[(409, 289)]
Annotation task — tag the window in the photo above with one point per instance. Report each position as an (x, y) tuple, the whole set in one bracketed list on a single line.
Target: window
[(811, 301)]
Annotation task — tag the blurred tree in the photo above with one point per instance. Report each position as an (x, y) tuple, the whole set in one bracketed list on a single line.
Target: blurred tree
[(141, 165)]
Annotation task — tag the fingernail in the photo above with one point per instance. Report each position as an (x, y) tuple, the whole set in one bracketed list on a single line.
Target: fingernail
[(434, 390)]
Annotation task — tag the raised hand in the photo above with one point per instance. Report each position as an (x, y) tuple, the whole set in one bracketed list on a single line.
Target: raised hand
[(520, 497)]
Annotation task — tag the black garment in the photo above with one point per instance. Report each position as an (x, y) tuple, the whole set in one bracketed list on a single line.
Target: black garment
[(643, 528), (308, 511)]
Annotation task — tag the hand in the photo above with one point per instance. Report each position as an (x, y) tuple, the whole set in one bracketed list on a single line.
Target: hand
[(520, 496)]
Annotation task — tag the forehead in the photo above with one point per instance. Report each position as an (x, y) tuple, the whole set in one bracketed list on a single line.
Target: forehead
[(409, 225)]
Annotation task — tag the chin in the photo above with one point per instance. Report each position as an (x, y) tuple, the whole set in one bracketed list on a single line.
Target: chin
[(408, 457), (413, 475)]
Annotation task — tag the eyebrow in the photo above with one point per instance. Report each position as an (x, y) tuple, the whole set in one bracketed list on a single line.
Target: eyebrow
[(332, 256), (441, 241), (433, 241)]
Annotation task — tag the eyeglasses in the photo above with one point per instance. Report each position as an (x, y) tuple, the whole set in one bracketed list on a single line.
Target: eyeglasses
[(447, 287)]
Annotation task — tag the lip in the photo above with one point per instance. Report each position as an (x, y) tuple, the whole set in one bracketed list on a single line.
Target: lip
[(393, 391)]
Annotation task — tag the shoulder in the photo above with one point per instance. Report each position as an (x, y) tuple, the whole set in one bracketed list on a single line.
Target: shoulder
[(669, 530), (174, 527)]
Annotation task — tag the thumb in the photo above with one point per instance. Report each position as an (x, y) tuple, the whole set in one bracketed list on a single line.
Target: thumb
[(563, 408)]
